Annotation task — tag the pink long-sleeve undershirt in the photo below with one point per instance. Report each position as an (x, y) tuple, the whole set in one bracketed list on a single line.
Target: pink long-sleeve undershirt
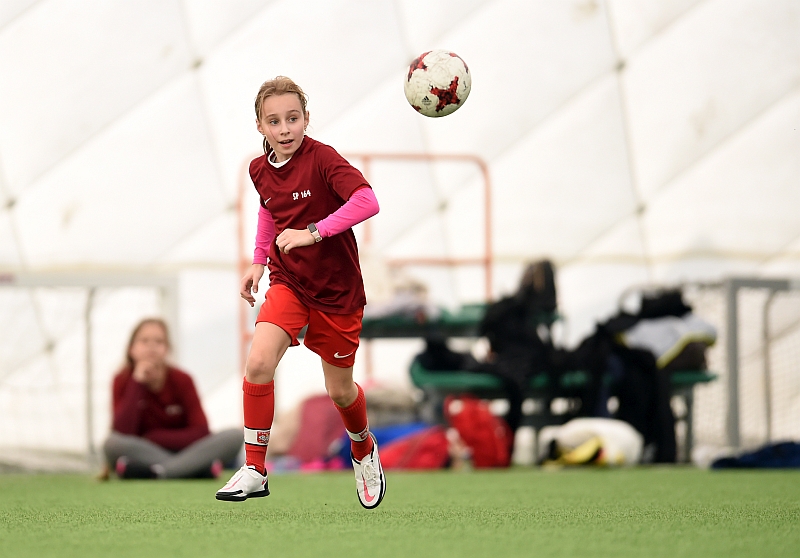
[(265, 234), (361, 206)]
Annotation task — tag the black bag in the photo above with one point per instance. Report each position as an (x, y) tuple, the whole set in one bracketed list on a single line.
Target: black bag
[(663, 303)]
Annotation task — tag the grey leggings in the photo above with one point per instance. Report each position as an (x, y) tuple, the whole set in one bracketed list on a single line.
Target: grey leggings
[(191, 461)]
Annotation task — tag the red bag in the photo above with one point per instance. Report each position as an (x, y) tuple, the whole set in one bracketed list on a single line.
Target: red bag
[(426, 449), (488, 436)]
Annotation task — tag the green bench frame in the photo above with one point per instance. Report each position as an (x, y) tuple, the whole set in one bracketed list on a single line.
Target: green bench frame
[(463, 322), (436, 385)]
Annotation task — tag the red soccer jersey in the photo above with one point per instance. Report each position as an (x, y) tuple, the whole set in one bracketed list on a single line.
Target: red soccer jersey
[(172, 418), (314, 183)]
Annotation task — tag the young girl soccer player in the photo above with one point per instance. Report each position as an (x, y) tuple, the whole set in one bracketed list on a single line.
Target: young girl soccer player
[(310, 199)]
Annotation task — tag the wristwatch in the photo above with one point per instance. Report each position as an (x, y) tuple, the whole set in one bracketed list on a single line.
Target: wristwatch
[(314, 232)]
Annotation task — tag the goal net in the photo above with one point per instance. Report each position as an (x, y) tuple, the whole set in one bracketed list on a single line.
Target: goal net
[(756, 399), (61, 339)]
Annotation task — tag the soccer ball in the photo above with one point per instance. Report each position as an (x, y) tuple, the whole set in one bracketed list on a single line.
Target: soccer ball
[(438, 83)]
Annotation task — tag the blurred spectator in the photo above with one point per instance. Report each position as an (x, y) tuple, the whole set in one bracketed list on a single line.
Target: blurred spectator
[(518, 330), (159, 427)]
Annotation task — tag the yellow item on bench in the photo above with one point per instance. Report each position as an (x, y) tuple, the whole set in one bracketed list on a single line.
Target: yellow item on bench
[(589, 452)]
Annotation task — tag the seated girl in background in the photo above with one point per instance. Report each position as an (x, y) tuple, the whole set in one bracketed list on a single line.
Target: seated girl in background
[(159, 427)]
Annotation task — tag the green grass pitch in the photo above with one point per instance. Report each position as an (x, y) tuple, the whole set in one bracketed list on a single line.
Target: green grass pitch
[(669, 511)]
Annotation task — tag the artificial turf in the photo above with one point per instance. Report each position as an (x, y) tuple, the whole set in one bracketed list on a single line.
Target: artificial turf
[(654, 511)]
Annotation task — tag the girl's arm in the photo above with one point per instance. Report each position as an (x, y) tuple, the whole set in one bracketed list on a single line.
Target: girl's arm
[(265, 234), (361, 206), (128, 398)]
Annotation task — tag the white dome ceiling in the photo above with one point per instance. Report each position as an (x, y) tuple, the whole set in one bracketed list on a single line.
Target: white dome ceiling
[(134, 118)]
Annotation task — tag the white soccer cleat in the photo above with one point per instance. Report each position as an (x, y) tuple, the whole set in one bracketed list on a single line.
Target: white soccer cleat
[(370, 480), (245, 483)]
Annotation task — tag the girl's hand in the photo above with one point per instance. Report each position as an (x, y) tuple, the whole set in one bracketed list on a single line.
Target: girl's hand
[(250, 281), (142, 372), (293, 238), (150, 374)]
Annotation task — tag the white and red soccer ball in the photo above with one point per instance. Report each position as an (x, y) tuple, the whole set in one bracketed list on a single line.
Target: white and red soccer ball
[(438, 83)]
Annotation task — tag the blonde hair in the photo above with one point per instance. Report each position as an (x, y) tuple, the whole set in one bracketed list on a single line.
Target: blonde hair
[(281, 85), (135, 332)]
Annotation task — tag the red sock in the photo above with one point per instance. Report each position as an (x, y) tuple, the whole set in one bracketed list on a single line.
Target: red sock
[(259, 409), (355, 422)]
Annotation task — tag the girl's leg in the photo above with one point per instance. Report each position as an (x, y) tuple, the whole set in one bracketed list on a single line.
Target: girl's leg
[(199, 456), (135, 448), (269, 344), (352, 406)]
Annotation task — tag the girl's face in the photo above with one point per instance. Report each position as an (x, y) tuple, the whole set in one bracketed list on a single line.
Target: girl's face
[(150, 345), (283, 124)]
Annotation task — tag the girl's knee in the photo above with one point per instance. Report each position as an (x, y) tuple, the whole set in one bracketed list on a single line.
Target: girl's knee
[(342, 394), (260, 370)]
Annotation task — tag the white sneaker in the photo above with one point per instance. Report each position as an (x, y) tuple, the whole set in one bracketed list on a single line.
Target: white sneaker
[(370, 480), (245, 483)]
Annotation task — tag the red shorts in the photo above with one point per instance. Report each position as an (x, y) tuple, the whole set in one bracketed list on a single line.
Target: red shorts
[(334, 337)]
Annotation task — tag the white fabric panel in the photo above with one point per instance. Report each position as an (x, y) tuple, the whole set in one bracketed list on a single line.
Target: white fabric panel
[(9, 251), (705, 78), (675, 270), (210, 22), (746, 194), (567, 182), (541, 55), (423, 22), (209, 329), (786, 263), (579, 298), (68, 69), (622, 242), (51, 419), (129, 195), (327, 59), (213, 241), (387, 110), (506, 275), (423, 237), (464, 220), (9, 9), (223, 403), (408, 204), (636, 21), (23, 341)]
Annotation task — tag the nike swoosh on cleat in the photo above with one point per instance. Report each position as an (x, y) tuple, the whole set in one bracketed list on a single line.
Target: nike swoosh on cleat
[(229, 486), (367, 497), (337, 355)]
